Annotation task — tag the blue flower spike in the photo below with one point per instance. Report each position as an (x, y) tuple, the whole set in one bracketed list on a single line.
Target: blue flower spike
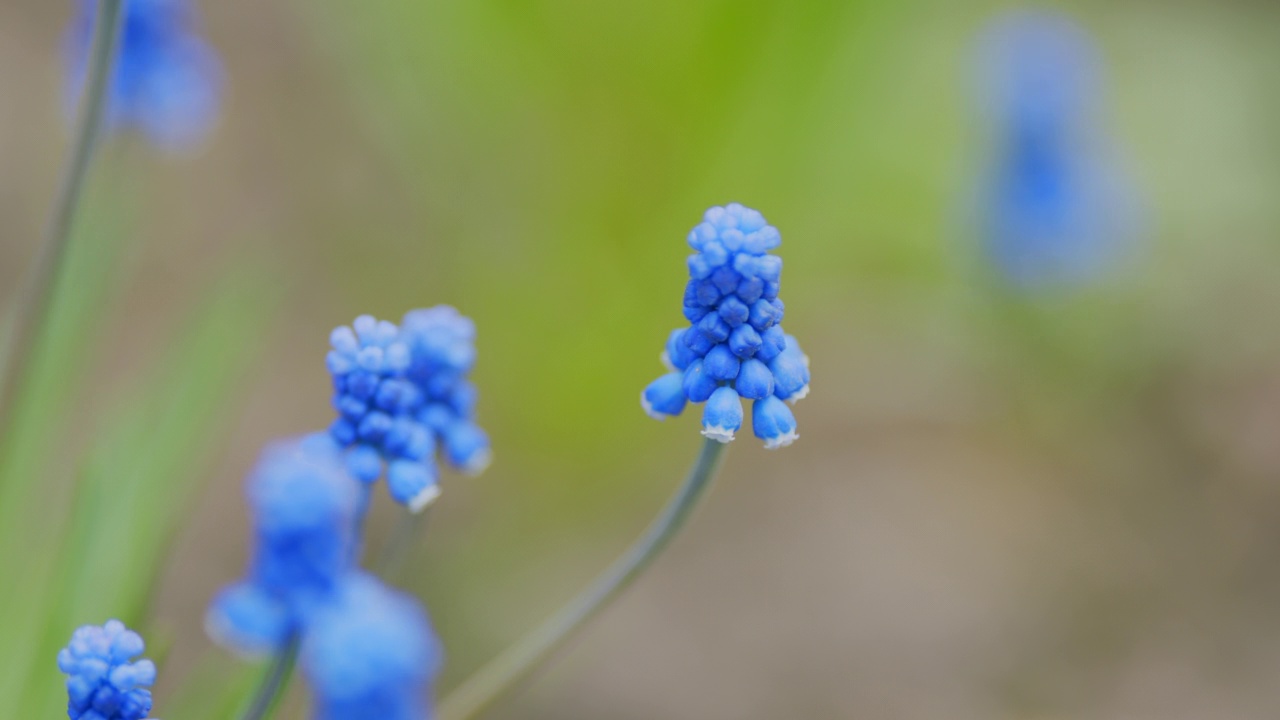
[(734, 347), (167, 81), (304, 507), (103, 682), (403, 396), (1055, 207), (370, 653)]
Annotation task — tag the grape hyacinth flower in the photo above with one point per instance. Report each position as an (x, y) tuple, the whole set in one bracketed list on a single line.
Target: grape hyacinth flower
[(1055, 207), (102, 682), (304, 507), (370, 653), (735, 347), (401, 392), (167, 80)]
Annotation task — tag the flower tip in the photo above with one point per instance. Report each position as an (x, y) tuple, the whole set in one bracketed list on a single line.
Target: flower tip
[(649, 409), (798, 395), (781, 441), (246, 621), (718, 433), (423, 500), (479, 461)]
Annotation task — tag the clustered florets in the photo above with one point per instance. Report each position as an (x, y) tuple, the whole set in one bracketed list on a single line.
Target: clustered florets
[(401, 392), (102, 683), (735, 347), (304, 514), (369, 651)]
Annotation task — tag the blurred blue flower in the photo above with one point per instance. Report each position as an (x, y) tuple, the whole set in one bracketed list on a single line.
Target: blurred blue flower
[(1054, 206), (102, 683), (370, 653), (401, 392), (167, 81), (304, 507), (735, 347)]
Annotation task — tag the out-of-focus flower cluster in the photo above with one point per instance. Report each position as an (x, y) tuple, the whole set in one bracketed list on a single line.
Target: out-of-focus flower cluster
[(167, 81), (369, 653), (102, 682), (363, 645), (1055, 206), (304, 515), (735, 346), (401, 393)]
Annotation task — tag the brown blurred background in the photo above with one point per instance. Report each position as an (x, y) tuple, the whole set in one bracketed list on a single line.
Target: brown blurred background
[(1024, 505)]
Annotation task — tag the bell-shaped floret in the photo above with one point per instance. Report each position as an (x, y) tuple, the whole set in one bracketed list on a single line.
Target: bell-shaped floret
[(772, 422), (664, 397), (722, 416), (412, 484)]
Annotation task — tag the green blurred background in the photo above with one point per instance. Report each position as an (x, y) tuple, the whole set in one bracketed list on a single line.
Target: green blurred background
[(1046, 505)]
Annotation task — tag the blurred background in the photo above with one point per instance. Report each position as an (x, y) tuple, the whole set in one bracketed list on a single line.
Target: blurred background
[(1009, 500)]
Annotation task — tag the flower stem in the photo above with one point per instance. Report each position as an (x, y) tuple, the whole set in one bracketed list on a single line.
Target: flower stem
[(397, 546), (31, 306), (273, 684), (505, 672)]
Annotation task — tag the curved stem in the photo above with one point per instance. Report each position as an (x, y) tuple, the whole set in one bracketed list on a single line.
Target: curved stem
[(505, 672), (273, 684), (32, 303)]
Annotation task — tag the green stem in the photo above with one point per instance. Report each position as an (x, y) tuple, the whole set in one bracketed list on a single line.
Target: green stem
[(397, 546), (31, 306), (273, 684), (505, 672)]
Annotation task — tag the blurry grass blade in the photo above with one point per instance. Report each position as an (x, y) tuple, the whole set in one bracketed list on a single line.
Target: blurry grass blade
[(35, 454), (217, 689), (139, 476)]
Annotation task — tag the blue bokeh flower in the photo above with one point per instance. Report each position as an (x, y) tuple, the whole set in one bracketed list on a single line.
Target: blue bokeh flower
[(102, 682), (304, 508), (735, 347), (167, 81), (1054, 206), (370, 653), (402, 393)]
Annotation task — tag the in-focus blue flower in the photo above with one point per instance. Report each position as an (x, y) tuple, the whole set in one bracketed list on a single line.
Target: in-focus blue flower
[(102, 682), (735, 347), (401, 393), (304, 508), (167, 81), (370, 653), (1054, 206)]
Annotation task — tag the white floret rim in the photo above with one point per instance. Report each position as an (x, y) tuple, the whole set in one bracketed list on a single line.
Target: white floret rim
[(782, 440), (718, 433), (798, 395), (648, 408), (419, 502), (665, 357), (479, 462)]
